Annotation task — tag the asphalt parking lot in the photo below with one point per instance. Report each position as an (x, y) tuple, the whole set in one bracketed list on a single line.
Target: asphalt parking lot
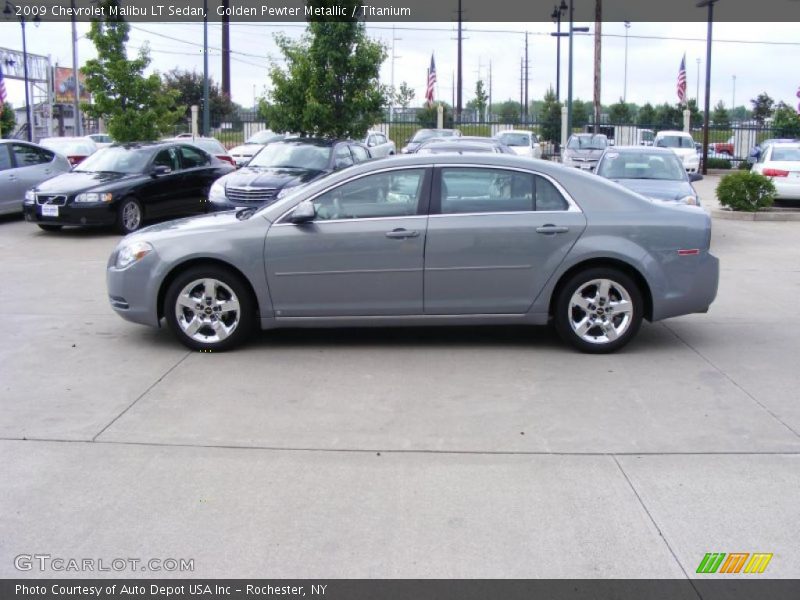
[(464, 452)]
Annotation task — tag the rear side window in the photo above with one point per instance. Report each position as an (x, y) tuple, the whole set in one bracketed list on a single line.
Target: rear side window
[(474, 190), (27, 156), (343, 157), (5, 158), (193, 157)]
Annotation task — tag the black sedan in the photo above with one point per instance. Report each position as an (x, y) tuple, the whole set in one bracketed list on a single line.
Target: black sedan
[(282, 166), (125, 184)]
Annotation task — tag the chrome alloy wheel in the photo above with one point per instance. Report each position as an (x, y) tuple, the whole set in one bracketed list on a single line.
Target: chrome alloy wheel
[(207, 310), (600, 311), (131, 216)]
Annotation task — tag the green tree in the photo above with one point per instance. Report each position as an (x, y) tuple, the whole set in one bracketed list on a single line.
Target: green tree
[(695, 114), (188, 86), (478, 103), (404, 95), (507, 112), (720, 116), (133, 106), (551, 117), (427, 116), (620, 113), (8, 121), (762, 107), (740, 113), (330, 85), (580, 113), (646, 116), (668, 116), (786, 121)]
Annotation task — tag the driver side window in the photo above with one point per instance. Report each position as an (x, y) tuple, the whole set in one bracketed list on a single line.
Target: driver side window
[(391, 194)]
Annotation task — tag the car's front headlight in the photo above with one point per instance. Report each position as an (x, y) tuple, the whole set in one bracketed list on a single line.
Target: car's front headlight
[(30, 197), (691, 200), (94, 197), (131, 253), (285, 191), (217, 192)]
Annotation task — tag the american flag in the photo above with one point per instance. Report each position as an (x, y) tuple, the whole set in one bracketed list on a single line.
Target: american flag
[(682, 81), (431, 82), (2, 90)]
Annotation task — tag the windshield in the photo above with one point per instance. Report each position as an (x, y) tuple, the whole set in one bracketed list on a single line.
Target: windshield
[(264, 137), (588, 142), (641, 165), (292, 156), (791, 154), (70, 147), (117, 159), (515, 139), (675, 141), (210, 146), (426, 134)]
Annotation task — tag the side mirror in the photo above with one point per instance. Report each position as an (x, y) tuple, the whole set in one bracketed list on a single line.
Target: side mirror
[(408, 141), (695, 177), (304, 212), (610, 142), (159, 170)]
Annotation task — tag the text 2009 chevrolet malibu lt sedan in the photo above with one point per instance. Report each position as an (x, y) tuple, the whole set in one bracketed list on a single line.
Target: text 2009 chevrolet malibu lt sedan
[(424, 240)]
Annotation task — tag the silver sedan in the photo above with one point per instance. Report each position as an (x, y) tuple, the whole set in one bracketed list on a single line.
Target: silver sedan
[(424, 240), (24, 166)]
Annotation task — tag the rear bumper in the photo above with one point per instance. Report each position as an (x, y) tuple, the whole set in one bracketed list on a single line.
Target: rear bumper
[(690, 287), (788, 189)]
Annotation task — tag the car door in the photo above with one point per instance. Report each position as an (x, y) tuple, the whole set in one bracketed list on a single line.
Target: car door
[(361, 256), (198, 175), (30, 166), (495, 236), (9, 202), (163, 194)]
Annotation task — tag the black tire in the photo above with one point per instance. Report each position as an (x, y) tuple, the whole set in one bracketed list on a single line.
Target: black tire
[(127, 225), (598, 341), (50, 228), (246, 314)]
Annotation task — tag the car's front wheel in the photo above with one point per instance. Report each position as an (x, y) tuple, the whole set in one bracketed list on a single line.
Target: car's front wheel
[(129, 216), (209, 309), (599, 310)]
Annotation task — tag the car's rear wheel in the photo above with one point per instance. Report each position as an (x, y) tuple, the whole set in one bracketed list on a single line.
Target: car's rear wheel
[(129, 216), (210, 309), (599, 310), (50, 228)]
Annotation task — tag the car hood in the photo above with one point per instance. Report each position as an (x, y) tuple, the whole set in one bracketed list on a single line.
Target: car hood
[(658, 189), (75, 182), (684, 152), (584, 153), (521, 150), (269, 178), (189, 226)]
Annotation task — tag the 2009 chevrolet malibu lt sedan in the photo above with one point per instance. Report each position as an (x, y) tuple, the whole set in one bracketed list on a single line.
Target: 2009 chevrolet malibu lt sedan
[(424, 240)]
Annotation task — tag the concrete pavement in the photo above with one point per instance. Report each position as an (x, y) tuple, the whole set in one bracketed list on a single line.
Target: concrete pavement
[(467, 452)]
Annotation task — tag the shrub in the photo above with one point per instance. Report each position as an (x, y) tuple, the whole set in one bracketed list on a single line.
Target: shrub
[(745, 191), (719, 163), (744, 165)]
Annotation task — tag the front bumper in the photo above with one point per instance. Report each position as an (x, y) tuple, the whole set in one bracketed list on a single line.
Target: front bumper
[(100, 213), (133, 292)]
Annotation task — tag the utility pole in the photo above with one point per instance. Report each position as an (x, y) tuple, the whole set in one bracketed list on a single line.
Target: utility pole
[(458, 92), (572, 30), (525, 109), (598, 44), (710, 5), (226, 50), (733, 94), (77, 121), (625, 83), (698, 81), (521, 84), (206, 113), (394, 56), (489, 107)]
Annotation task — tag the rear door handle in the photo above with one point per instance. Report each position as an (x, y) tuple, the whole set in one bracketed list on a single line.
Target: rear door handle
[(399, 234), (550, 229)]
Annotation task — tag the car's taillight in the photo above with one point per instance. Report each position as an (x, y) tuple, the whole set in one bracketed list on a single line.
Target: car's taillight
[(75, 160), (227, 159), (775, 173)]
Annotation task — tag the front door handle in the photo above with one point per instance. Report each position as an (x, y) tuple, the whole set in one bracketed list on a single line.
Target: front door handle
[(399, 234), (551, 229)]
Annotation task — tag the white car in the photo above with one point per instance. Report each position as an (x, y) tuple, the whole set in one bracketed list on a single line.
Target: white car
[(781, 163), (379, 144), (523, 143), (682, 144), (242, 154), (101, 139)]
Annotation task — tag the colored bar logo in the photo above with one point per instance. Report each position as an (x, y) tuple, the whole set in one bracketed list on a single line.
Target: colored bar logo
[(735, 562)]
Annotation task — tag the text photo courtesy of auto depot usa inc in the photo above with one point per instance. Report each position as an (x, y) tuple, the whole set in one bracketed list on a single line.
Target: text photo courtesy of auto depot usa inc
[(411, 300)]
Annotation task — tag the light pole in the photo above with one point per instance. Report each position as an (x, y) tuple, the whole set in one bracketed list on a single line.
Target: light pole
[(572, 30), (710, 5), (206, 107), (625, 81), (698, 80), (77, 120), (10, 10), (733, 94), (556, 16)]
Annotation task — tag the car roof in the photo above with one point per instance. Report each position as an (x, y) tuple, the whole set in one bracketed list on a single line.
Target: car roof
[(66, 138), (640, 150), (673, 132), (786, 145), (153, 145), (315, 141)]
